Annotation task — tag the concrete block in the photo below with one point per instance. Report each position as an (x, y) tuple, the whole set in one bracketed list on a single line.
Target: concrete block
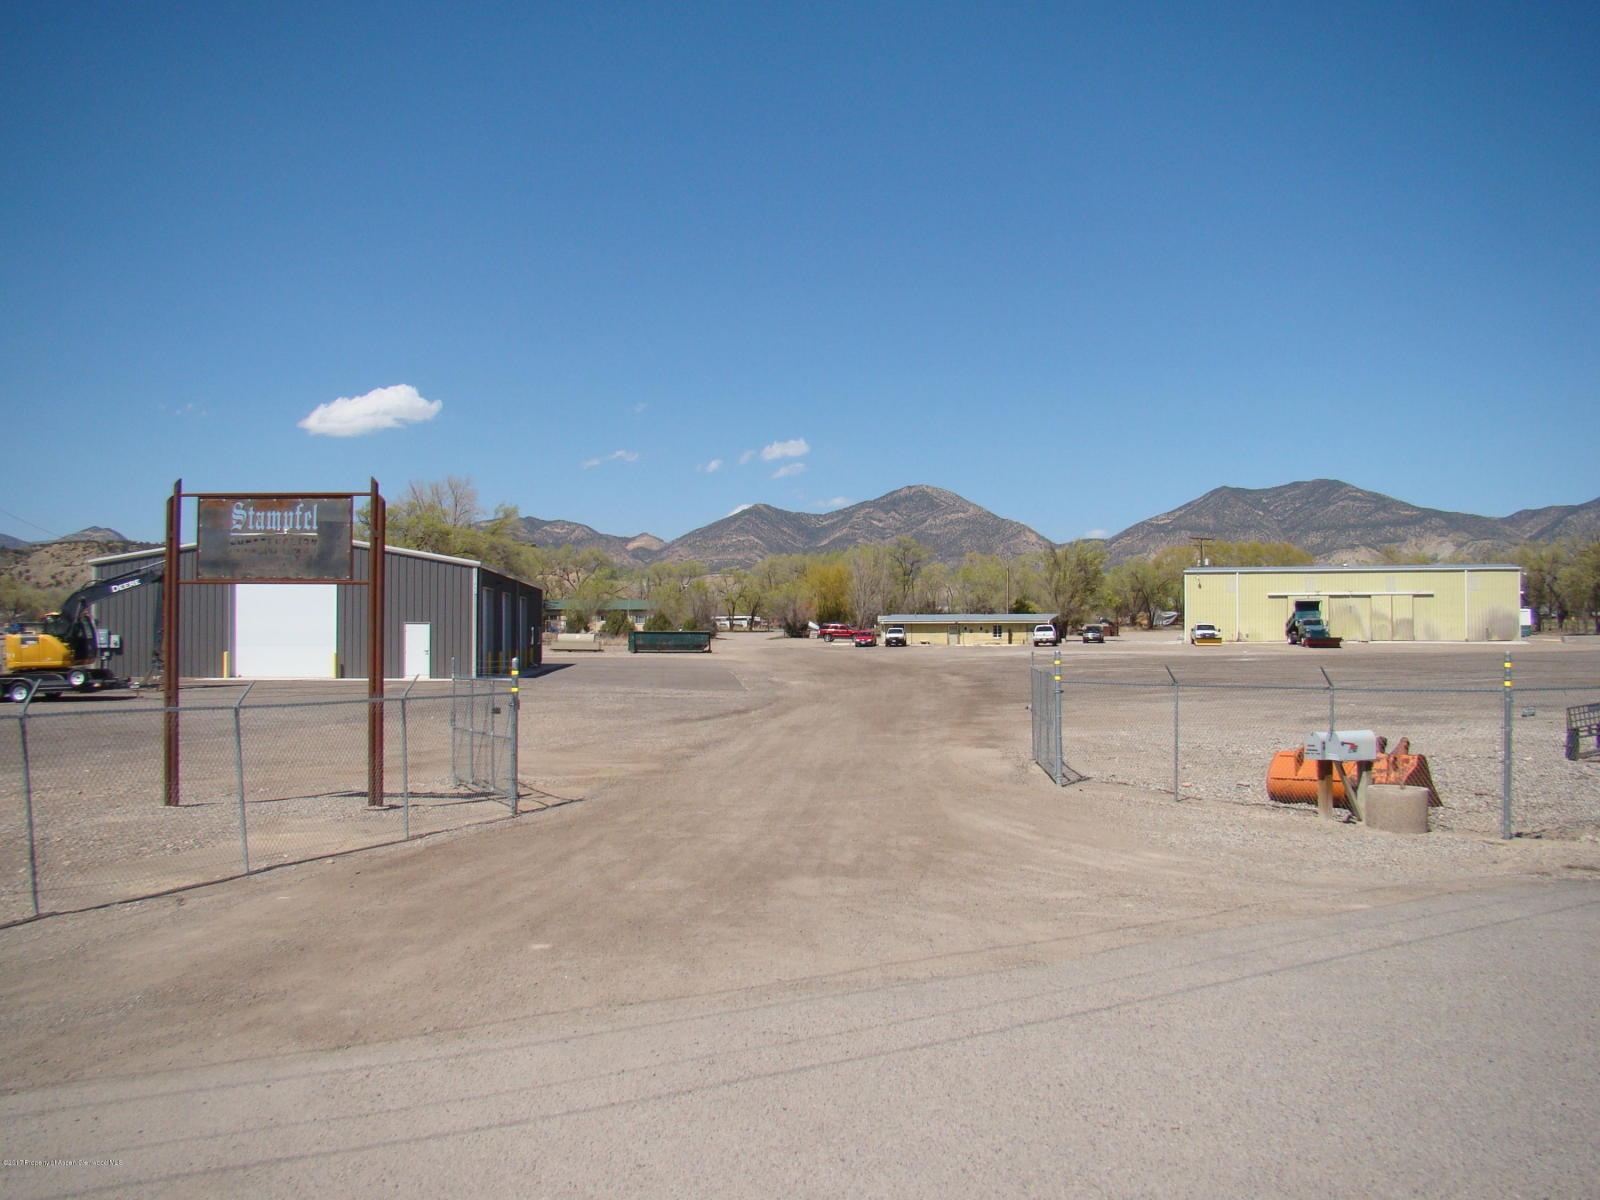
[(1394, 808)]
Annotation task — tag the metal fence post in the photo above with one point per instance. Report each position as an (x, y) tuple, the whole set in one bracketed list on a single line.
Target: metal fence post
[(27, 798), (238, 770), (1060, 757), (472, 727), (1176, 793), (1332, 725), (455, 763), (405, 761), (516, 726), (1505, 754)]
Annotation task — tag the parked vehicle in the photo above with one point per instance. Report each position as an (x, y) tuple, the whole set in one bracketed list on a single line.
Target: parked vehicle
[(1093, 633), (895, 635), (1306, 627), (835, 632), (866, 637), (1046, 635), (1205, 635)]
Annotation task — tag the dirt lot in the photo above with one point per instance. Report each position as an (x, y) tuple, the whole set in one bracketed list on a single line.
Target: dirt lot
[(774, 811)]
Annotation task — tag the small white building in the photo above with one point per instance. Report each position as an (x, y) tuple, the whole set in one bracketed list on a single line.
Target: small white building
[(965, 629)]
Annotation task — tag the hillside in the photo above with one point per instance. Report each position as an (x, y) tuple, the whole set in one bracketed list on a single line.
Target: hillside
[(635, 551), (945, 522), (61, 566), (1333, 520), (950, 525), (1340, 523)]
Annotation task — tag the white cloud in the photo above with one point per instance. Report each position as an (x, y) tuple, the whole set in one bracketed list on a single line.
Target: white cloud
[(627, 456), (740, 509), (793, 448), (746, 457), (714, 465), (381, 408), (1097, 533), (791, 469), (836, 502), (640, 407)]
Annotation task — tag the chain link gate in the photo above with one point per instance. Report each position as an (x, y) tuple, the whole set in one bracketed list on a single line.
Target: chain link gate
[(483, 734)]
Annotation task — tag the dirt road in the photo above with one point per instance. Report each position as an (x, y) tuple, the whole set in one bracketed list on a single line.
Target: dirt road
[(776, 813)]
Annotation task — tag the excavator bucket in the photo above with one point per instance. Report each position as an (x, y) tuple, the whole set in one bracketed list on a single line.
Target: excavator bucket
[(1403, 767)]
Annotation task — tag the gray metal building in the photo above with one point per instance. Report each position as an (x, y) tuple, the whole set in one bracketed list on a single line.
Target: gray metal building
[(440, 611)]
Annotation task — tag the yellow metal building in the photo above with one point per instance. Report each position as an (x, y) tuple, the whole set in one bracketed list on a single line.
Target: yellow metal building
[(1479, 603)]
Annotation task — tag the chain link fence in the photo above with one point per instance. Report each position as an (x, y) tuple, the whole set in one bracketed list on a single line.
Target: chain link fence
[(270, 774), (1499, 757), (1046, 709)]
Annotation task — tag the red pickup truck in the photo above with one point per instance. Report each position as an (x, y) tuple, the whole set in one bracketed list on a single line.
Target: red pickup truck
[(835, 633)]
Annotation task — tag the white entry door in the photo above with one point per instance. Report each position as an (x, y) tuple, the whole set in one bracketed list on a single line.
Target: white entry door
[(285, 631), (419, 650)]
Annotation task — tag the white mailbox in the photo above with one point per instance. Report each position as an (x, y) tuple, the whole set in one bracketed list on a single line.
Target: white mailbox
[(1343, 745)]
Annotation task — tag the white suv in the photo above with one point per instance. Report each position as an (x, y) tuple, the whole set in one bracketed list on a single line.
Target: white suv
[(1046, 635)]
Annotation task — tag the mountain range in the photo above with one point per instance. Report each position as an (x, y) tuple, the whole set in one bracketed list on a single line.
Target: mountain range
[(944, 521), (1335, 521), (1339, 523)]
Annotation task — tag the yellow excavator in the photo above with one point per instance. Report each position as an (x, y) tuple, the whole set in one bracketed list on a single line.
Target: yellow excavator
[(67, 651)]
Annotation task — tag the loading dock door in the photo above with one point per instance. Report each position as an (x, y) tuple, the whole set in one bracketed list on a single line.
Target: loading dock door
[(285, 631), (419, 650)]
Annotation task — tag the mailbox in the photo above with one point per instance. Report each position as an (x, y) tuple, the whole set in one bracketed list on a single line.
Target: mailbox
[(1343, 745)]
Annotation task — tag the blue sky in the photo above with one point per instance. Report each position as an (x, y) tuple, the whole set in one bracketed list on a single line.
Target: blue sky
[(639, 264)]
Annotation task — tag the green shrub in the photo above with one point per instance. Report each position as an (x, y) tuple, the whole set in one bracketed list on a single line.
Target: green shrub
[(617, 624)]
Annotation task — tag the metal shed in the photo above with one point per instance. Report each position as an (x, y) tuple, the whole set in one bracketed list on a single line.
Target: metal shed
[(440, 612)]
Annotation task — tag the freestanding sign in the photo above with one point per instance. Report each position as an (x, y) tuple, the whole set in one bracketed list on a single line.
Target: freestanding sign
[(274, 539), (277, 538)]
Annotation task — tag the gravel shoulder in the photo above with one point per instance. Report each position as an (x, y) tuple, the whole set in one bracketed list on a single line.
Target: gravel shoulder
[(774, 813)]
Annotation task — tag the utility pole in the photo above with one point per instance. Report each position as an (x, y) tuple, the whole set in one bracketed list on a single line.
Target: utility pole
[(1200, 544)]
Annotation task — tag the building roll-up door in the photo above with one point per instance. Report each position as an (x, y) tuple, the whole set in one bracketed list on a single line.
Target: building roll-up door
[(285, 631)]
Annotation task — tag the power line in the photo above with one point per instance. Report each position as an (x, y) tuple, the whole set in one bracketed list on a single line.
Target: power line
[(25, 521)]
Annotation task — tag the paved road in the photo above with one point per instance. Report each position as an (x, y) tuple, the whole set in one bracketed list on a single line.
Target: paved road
[(1440, 1047)]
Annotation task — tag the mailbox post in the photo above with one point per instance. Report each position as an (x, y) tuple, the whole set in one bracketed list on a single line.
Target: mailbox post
[(1328, 749)]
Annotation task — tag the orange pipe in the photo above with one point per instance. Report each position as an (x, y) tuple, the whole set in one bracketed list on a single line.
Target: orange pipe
[(1292, 779)]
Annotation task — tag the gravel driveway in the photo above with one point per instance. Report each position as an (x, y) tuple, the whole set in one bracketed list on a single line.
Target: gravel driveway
[(777, 814)]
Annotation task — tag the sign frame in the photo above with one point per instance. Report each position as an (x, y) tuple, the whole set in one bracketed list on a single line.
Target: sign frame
[(330, 544)]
